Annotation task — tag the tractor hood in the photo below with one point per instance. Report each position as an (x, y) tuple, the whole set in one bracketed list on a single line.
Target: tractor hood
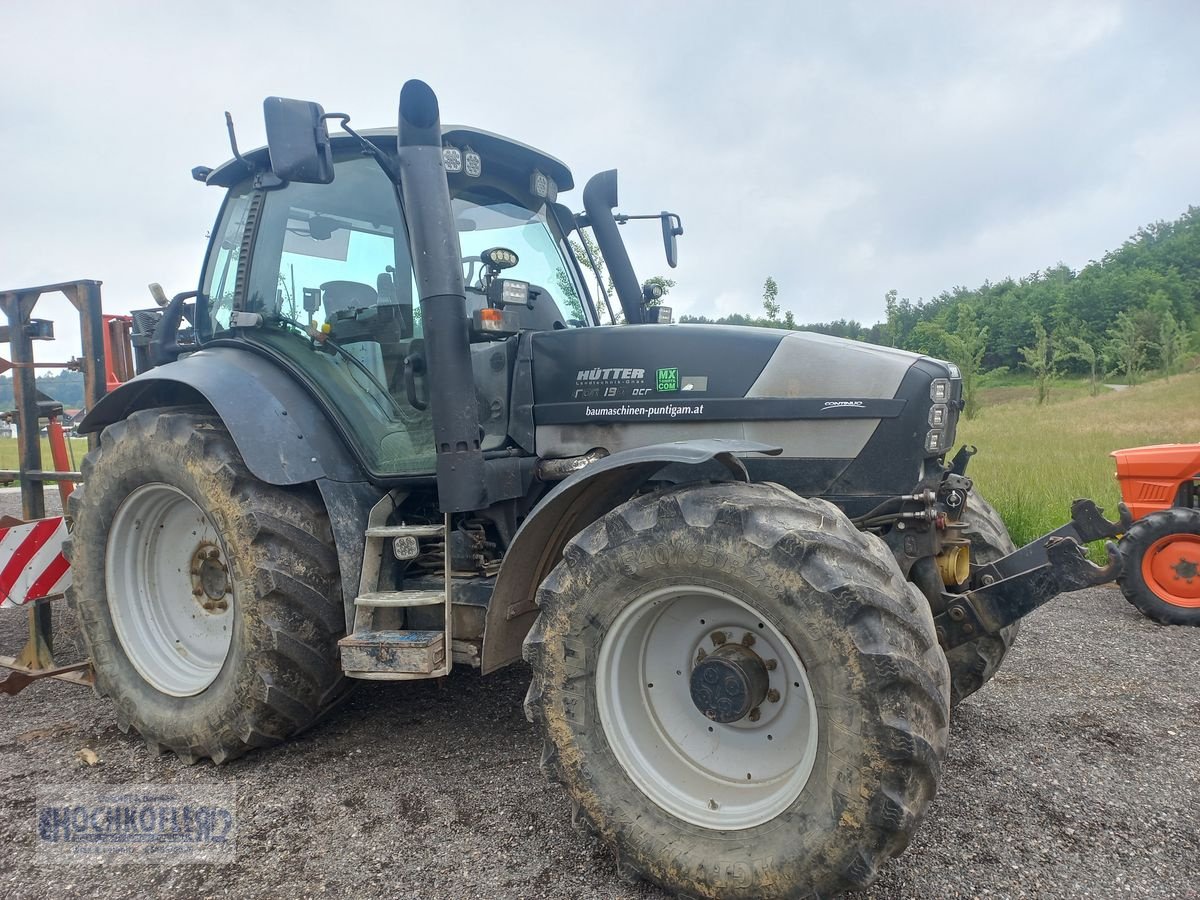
[(848, 414)]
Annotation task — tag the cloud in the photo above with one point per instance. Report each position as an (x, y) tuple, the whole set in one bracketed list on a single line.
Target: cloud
[(843, 149)]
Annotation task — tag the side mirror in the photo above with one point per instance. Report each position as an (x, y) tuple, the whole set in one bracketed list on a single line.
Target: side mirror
[(298, 140), (672, 227)]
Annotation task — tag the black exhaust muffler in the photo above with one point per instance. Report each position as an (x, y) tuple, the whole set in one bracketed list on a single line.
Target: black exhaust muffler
[(437, 264), (599, 199)]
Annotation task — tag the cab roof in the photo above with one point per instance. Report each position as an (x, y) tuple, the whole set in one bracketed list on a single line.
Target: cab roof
[(486, 143)]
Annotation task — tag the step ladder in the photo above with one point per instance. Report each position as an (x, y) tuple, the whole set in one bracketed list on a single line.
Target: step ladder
[(386, 654)]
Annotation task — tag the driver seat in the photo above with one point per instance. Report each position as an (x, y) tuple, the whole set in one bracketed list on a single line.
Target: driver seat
[(350, 295), (338, 295)]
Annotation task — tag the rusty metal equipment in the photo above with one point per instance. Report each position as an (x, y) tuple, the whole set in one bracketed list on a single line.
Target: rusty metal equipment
[(102, 338)]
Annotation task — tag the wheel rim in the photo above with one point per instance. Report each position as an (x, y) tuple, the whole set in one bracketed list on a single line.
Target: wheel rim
[(169, 590), (1171, 568), (721, 776)]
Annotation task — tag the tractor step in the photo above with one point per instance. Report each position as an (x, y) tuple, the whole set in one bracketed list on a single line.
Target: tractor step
[(393, 531), (385, 643), (393, 654), (394, 599)]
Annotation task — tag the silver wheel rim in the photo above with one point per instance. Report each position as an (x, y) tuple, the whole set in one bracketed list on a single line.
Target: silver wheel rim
[(723, 777), (169, 590)]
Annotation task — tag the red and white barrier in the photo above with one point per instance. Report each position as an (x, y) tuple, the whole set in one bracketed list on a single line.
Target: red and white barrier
[(32, 565)]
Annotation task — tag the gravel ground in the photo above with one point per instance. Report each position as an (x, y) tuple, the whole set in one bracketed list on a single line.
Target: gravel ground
[(1076, 773)]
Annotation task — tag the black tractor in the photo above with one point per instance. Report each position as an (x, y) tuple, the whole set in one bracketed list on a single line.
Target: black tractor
[(387, 435)]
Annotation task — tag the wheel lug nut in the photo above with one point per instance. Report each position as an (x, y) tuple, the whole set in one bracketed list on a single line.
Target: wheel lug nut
[(701, 655), (771, 665), (747, 640), (755, 714), (214, 553), (773, 695), (197, 591), (718, 638)]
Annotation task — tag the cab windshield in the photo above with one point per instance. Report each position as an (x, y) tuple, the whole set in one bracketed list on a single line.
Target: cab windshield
[(331, 276)]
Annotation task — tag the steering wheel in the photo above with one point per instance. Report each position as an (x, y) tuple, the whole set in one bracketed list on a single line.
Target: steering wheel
[(472, 261)]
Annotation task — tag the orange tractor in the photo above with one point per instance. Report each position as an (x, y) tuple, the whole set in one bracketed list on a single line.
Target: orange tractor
[(1161, 487)]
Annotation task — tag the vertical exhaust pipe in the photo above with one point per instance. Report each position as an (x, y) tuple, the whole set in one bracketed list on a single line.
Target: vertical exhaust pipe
[(437, 264), (599, 200)]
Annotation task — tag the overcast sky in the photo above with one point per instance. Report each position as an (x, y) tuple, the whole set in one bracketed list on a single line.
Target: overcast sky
[(843, 148)]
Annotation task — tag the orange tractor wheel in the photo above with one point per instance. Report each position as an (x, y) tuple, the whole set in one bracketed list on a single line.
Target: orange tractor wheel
[(1161, 576)]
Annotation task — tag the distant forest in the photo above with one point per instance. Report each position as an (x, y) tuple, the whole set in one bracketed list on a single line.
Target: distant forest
[(1137, 308), (66, 388)]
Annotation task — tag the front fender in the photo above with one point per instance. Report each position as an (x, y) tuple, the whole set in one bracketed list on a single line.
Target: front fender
[(282, 433), (568, 509)]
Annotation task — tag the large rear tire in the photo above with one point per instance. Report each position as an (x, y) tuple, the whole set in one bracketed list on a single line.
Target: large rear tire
[(208, 600), (694, 599), (1161, 575), (973, 664)]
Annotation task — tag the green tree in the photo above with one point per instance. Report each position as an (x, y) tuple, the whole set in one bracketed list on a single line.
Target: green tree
[(660, 281), (892, 311), (1172, 343), (1039, 359), (1126, 347), (1074, 347), (966, 346), (771, 299)]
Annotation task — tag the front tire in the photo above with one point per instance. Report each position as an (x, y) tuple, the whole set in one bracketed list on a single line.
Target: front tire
[(832, 776), (1161, 575), (209, 601)]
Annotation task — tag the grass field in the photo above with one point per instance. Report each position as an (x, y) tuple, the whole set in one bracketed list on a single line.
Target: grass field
[(1034, 460), (9, 457)]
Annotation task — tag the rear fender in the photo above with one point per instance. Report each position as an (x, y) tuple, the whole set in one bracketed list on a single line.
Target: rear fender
[(282, 433), (568, 509)]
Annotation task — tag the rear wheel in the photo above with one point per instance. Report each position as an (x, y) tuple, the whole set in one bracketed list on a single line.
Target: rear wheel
[(973, 664), (1161, 575), (208, 600), (740, 692)]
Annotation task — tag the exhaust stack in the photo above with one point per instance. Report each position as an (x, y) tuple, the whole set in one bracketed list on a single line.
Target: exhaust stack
[(599, 199), (437, 264)]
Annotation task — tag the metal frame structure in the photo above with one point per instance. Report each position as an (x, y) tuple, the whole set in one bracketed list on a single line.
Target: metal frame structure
[(36, 659)]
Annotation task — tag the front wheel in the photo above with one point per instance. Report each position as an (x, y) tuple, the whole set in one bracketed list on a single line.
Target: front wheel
[(208, 600), (1161, 575), (740, 692)]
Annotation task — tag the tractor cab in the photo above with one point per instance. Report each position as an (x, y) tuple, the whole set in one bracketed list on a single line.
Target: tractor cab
[(319, 276)]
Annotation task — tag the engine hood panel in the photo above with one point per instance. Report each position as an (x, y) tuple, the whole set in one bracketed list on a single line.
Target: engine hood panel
[(714, 373), (649, 362), (851, 417)]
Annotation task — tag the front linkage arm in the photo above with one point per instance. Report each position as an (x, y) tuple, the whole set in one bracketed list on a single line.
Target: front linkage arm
[(1017, 584)]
